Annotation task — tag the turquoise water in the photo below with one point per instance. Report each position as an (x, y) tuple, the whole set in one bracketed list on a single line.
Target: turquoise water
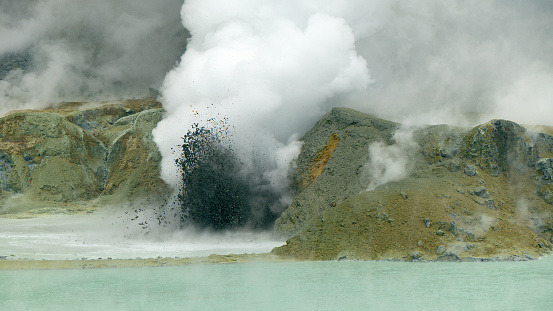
[(287, 286)]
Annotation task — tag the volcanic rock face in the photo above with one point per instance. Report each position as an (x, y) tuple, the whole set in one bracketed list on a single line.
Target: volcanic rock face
[(36, 145), (466, 194), (365, 188), (330, 166), (73, 153)]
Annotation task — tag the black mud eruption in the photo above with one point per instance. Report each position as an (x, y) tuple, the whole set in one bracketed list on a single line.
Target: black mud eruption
[(217, 192)]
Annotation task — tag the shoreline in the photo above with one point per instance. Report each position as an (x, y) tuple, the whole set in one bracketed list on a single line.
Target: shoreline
[(62, 264), (107, 263)]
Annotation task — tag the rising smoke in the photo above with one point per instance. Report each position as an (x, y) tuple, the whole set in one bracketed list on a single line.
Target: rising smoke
[(389, 163), (433, 61), (459, 62), (269, 68), (71, 50)]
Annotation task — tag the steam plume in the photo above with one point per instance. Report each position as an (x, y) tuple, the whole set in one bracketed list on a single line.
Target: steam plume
[(268, 67), (70, 50), (460, 62), (391, 163)]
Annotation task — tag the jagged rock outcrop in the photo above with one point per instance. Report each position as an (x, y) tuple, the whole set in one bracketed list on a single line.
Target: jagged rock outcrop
[(73, 153), (500, 145), (467, 194)]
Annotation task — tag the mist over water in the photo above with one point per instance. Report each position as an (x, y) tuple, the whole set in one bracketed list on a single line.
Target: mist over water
[(113, 234)]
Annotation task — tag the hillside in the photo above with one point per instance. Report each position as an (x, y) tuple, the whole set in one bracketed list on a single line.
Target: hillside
[(79, 156), (466, 194), (365, 188)]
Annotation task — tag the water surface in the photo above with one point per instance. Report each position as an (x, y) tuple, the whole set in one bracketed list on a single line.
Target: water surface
[(287, 286)]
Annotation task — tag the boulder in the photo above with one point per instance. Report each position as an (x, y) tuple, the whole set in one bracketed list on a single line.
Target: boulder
[(470, 170), (481, 192), (545, 170)]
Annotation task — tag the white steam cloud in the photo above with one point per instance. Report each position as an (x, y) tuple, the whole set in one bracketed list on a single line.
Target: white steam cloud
[(459, 62), (268, 68), (389, 163), (70, 50)]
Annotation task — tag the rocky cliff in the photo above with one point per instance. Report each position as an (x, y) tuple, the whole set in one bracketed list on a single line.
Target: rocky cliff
[(70, 156), (448, 193)]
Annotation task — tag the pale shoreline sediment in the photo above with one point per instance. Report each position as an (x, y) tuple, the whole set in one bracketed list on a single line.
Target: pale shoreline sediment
[(62, 264), (42, 264)]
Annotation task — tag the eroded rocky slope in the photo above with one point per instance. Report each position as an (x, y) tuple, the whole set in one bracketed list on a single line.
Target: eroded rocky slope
[(74, 154), (466, 194), (366, 188)]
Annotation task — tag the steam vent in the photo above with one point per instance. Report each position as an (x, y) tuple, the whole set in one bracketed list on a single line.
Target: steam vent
[(365, 188)]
